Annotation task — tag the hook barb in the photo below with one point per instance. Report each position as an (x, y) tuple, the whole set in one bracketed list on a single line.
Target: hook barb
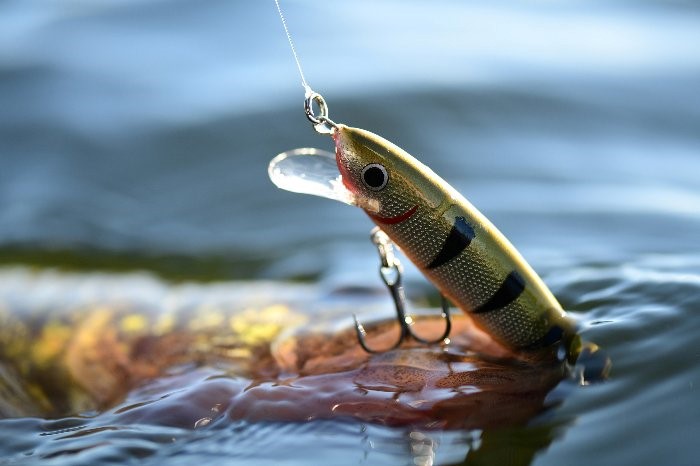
[(405, 324), (362, 335)]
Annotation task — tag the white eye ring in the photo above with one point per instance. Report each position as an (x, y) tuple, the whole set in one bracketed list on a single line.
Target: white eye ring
[(374, 176)]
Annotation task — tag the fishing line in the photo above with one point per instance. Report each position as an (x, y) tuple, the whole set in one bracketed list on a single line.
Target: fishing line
[(322, 124), (307, 88)]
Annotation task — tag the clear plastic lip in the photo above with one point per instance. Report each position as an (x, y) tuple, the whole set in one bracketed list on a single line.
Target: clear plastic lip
[(309, 171)]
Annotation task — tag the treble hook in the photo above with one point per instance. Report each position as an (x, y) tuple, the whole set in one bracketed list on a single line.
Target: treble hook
[(390, 271)]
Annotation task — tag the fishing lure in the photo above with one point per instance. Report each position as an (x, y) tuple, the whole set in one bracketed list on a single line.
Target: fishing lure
[(453, 244)]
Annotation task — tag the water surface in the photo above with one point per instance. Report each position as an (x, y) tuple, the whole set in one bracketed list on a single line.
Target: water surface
[(135, 136)]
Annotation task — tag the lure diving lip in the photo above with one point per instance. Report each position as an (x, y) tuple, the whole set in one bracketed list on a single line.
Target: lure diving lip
[(315, 171), (310, 171)]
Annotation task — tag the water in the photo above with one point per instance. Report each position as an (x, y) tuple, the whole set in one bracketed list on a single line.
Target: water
[(136, 136)]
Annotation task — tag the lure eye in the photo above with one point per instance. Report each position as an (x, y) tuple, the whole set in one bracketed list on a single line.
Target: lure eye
[(375, 176)]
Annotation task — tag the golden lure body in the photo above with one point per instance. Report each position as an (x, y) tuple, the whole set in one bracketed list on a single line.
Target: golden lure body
[(457, 248)]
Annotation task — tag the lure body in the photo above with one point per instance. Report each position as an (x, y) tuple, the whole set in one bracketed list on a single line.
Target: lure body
[(458, 249)]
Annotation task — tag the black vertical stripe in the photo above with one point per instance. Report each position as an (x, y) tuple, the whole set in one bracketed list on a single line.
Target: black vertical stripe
[(553, 335), (457, 240), (509, 291)]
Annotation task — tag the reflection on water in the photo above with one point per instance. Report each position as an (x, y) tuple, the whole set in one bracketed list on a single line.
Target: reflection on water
[(136, 135), (638, 311), (177, 359)]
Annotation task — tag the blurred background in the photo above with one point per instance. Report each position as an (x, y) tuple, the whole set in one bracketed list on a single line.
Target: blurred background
[(136, 134)]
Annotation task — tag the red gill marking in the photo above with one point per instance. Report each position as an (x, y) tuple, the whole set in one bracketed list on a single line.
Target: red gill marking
[(397, 219)]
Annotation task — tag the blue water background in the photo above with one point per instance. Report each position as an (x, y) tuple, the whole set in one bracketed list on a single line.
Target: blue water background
[(140, 131)]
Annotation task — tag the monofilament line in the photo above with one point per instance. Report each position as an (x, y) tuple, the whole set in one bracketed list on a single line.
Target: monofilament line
[(307, 88)]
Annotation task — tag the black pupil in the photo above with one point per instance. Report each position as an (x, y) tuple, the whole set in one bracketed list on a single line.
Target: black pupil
[(374, 177)]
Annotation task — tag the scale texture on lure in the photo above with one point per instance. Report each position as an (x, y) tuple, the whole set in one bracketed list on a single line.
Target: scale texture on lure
[(445, 236), (450, 241)]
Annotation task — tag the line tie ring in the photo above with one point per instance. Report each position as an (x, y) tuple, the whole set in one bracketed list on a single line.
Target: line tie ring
[(322, 124)]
